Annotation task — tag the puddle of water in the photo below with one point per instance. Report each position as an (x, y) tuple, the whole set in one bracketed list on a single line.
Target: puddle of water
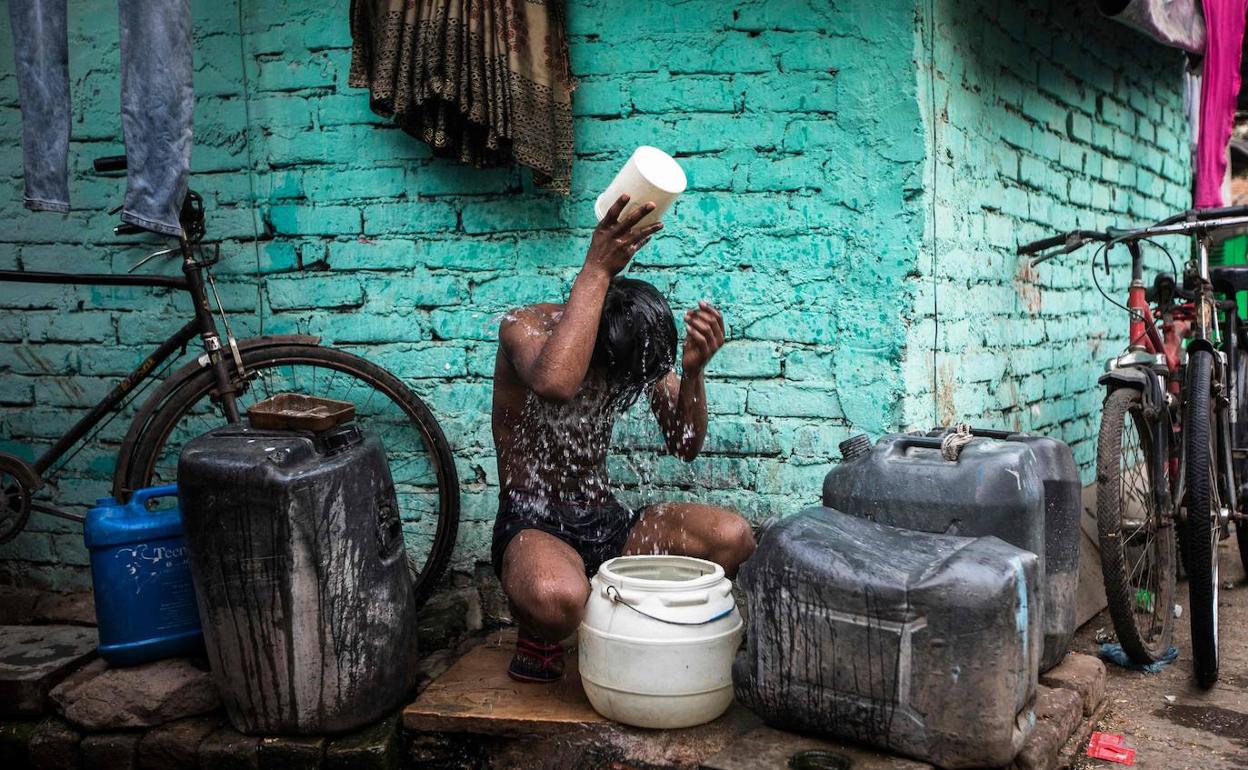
[(1232, 725)]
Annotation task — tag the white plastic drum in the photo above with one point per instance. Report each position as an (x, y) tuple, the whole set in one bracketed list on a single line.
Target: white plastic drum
[(658, 640), (650, 175)]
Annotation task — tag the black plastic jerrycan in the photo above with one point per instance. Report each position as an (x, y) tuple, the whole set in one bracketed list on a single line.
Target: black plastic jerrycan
[(301, 576), (1063, 507), (994, 487), (923, 644)]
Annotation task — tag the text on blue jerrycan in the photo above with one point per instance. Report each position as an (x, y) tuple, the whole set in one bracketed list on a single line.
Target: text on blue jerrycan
[(140, 572)]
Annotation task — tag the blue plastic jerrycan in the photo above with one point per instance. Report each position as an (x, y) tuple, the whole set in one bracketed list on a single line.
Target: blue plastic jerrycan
[(141, 575)]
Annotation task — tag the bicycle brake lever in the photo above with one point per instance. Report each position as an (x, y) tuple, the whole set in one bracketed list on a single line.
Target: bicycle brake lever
[(153, 255)]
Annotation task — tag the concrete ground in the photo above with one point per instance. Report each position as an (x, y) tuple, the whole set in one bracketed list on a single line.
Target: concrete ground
[(1173, 724)]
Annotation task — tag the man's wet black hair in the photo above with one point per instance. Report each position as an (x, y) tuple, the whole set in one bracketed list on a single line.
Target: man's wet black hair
[(636, 342)]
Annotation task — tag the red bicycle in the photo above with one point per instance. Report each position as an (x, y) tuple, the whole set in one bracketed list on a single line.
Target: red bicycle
[(1173, 435)]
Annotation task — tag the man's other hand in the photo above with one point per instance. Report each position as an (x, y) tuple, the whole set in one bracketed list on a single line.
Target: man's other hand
[(615, 242), (704, 335)]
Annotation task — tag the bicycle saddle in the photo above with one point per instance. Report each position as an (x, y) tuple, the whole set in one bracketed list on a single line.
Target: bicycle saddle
[(1163, 286), (1229, 279)]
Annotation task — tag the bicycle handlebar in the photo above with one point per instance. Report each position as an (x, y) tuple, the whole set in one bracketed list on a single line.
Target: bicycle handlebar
[(1180, 224), (1044, 244), (1068, 241), (1201, 215)]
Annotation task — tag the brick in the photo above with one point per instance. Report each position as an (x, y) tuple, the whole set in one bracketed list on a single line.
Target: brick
[(368, 254), (375, 747), (790, 400), (1083, 674), (692, 92), (747, 359), (1058, 714), (227, 749), (408, 361), (14, 739), (304, 753), (110, 751), (340, 329), (419, 217), (282, 74), (54, 745), (419, 288), (520, 214), (318, 220), (175, 744), (314, 291)]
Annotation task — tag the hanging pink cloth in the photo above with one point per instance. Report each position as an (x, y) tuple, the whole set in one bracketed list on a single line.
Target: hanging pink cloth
[(1219, 90)]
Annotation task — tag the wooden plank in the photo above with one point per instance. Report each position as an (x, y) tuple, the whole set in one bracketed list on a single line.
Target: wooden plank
[(1090, 596), (476, 696)]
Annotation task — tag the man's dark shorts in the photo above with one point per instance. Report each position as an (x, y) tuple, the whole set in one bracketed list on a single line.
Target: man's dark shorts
[(596, 532)]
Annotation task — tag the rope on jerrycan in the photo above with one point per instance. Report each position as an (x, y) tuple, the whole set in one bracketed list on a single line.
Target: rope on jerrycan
[(613, 594), (953, 442)]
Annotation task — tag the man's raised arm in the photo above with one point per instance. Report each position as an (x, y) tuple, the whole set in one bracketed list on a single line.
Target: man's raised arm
[(552, 353), (679, 404)]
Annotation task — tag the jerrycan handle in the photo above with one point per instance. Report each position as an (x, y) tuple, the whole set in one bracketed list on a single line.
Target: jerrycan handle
[(141, 497), (996, 433), (930, 442)]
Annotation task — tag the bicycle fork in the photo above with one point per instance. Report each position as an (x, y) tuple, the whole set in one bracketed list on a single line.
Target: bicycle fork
[(225, 390)]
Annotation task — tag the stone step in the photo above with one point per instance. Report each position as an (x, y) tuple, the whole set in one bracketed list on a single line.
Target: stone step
[(34, 659)]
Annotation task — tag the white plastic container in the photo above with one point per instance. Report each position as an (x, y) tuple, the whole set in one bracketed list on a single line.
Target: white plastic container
[(649, 175), (658, 640)]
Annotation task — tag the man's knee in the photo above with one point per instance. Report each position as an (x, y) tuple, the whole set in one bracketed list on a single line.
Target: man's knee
[(734, 543), (555, 606)]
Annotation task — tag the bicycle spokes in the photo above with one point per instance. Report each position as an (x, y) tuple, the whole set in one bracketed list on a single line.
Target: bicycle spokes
[(1140, 529)]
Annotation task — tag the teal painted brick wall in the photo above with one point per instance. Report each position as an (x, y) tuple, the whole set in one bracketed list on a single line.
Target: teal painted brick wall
[(797, 121), (1043, 117)]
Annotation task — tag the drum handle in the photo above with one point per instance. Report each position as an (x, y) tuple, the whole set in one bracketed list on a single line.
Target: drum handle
[(613, 594)]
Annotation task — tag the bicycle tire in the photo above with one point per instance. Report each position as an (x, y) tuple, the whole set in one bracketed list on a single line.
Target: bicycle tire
[(1200, 531), (138, 471), (1122, 412)]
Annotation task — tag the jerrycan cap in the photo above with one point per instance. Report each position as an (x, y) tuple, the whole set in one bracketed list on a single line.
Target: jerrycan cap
[(854, 447), (340, 438)]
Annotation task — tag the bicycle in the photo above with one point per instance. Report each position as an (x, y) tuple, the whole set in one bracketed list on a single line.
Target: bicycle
[(218, 386), (1172, 437)]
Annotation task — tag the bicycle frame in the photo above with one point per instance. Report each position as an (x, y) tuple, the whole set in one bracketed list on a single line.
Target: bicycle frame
[(202, 325), (1196, 321), (1142, 334)]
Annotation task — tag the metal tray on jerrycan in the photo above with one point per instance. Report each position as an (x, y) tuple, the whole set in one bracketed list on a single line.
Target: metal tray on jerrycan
[(296, 411)]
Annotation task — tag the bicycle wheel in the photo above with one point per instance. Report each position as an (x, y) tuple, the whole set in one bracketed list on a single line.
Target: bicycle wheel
[(421, 463), (1203, 505), (1136, 538)]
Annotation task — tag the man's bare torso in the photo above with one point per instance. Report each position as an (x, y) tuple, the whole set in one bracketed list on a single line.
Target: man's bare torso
[(551, 451)]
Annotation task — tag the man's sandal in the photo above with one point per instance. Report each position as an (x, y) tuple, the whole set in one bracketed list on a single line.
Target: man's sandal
[(536, 661)]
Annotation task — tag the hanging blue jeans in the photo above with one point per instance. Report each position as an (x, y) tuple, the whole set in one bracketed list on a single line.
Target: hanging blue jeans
[(156, 104)]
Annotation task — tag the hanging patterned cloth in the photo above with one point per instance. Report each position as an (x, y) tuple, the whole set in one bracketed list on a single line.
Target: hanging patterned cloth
[(486, 82)]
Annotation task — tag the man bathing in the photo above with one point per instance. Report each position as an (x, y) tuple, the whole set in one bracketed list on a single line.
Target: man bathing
[(562, 375)]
